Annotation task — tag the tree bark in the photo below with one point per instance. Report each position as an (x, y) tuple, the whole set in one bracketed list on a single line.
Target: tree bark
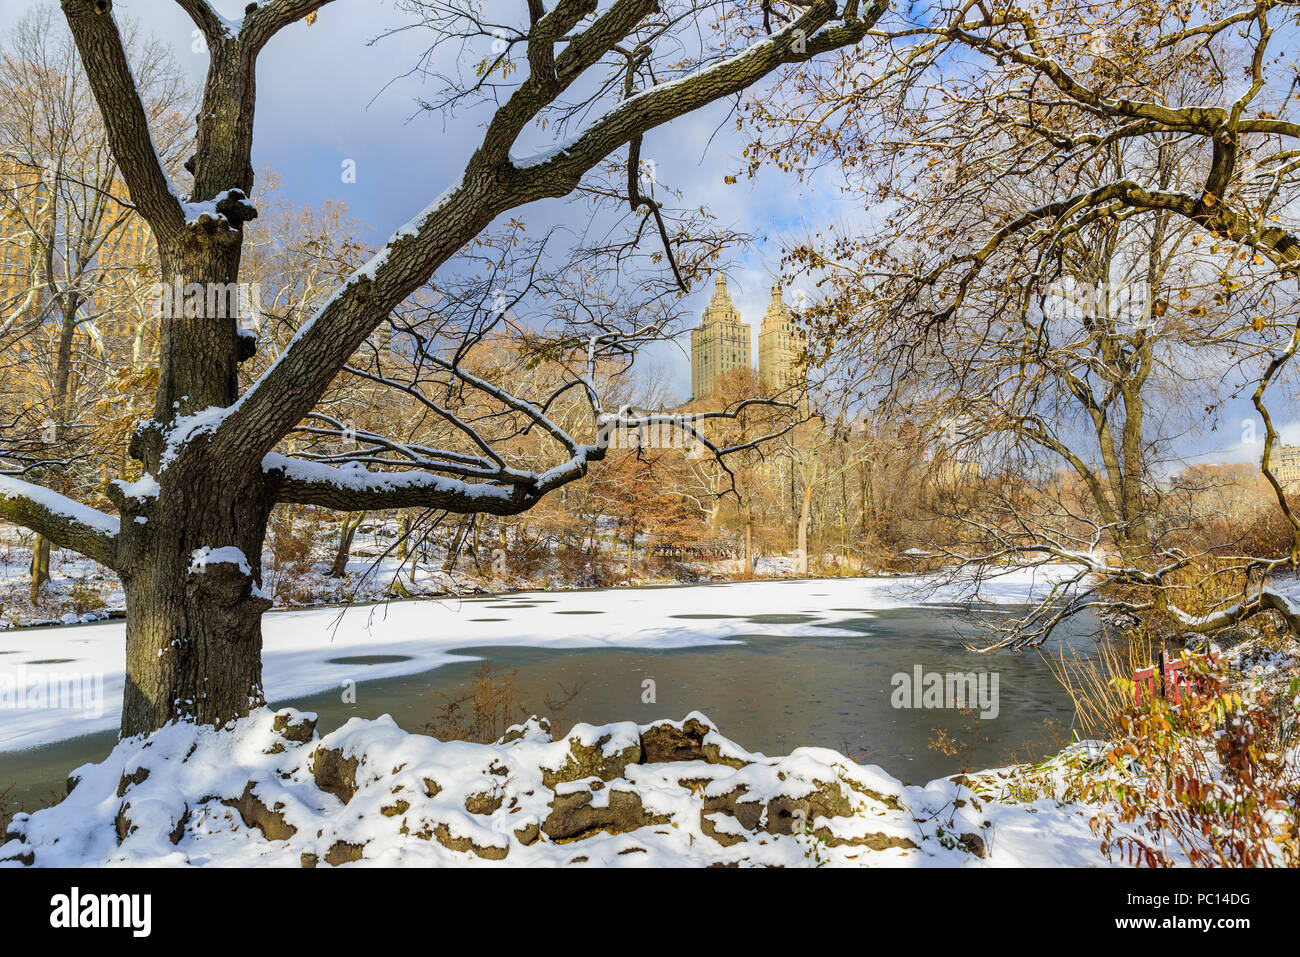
[(748, 571), (194, 619), (346, 536), (805, 512), (40, 568)]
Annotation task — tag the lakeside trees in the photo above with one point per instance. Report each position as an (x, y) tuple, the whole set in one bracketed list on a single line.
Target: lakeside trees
[(74, 252), (1076, 207)]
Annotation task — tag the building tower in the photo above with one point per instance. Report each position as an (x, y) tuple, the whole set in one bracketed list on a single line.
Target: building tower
[(719, 344), (779, 348), (1285, 465)]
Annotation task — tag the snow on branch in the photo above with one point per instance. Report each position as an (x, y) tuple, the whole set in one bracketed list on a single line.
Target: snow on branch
[(356, 488), (65, 522)]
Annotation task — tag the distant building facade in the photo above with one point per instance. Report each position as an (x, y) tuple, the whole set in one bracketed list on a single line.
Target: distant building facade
[(780, 347), (28, 210), (1285, 463), (721, 344)]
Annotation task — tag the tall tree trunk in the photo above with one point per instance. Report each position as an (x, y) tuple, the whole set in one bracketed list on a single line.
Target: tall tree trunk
[(805, 512), (631, 544), (346, 536), (403, 532), (194, 618), (748, 571), (63, 361), (40, 568)]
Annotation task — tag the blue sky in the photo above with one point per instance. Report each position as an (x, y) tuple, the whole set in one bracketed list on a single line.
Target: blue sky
[(325, 95)]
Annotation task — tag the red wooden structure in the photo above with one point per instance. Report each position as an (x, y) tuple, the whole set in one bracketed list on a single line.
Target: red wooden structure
[(1174, 680)]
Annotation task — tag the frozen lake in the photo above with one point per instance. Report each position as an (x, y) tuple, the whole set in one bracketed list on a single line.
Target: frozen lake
[(776, 664)]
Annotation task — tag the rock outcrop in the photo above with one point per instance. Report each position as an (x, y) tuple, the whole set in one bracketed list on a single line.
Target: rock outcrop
[(271, 790)]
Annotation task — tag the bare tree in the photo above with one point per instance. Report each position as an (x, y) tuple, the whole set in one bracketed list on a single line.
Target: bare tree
[(1063, 147), (188, 541), (65, 206)]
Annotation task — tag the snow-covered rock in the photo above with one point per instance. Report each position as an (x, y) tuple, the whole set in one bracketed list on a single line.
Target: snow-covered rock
[(268, 791)]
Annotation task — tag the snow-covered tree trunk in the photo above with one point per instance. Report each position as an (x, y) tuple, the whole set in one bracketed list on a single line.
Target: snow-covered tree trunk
[(191, 571)]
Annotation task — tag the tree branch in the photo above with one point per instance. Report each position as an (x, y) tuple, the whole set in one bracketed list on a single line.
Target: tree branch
[(102, 52), (65, 522), (270, 18), (295, 382)]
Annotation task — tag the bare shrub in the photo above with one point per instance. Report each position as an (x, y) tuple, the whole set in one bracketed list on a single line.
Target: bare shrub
[(1096, 683), (482, 710)]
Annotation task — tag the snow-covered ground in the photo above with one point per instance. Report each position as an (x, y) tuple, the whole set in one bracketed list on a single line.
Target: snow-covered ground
[(299, 644)]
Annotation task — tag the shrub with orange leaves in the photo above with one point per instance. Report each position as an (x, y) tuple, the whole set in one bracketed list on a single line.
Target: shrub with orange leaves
[(1211, 781)]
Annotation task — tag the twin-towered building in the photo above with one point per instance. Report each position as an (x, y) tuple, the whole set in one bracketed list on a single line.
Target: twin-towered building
[(721, 344)]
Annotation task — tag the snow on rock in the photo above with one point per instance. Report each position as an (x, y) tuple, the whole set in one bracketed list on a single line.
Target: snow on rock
[(267, 790)]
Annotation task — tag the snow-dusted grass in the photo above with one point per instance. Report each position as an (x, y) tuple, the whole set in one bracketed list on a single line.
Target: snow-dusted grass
[(269, 792), (299, 644)]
